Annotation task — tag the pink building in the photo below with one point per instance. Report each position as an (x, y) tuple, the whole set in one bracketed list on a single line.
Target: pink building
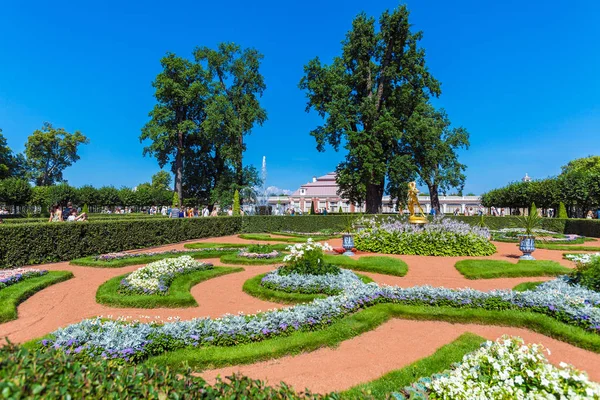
[(323, 192)]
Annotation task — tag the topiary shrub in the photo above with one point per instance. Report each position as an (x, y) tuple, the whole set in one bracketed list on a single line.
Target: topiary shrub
[(236, 202), (175, 200), (85, 209), (562, 211)]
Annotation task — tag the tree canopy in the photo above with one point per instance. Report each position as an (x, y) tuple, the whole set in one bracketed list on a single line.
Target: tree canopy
[(367, 96), (10, 164), (49, 151), (431, 146)]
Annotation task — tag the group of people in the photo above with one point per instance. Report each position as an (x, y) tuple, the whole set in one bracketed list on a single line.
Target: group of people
[(69, 213), (593, 215)]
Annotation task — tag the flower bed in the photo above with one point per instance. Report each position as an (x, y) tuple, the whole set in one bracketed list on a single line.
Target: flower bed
[(133, 341), (122, 256), (310, 284), (308, 259), (505, 369), (441, 237), (259, 251), (156, 277), (582, 258), (11, 276)]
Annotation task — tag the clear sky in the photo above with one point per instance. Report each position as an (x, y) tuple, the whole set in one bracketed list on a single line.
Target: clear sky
[(521, 76)]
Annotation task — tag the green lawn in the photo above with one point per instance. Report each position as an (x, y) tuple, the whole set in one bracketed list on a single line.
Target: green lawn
[(377, 264), (13, 295), (90, 262), (207, 245), (525, 286), (489, 269), (177, 296), (253, 287), (566, 247), (441, 360), (235, 259), (289, 239), (207, 357)]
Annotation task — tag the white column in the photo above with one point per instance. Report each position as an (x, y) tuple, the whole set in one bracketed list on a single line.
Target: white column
[(445, 208)]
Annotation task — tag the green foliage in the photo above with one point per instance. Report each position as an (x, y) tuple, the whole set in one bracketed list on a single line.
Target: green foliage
[(85, 209), (291, 239), (235, 259), (366, 320), (55, 375), (24, 244), (530, 221), (523, 287), (489, 269), (177, 296), (588, 275), (376, 264), (175, 203), (340, 210), (367, 95), (236, 202), (10, 164), (13, 295), (262, 248), (431, 145), (310, 262), (424, 243), (161, 180), (312, 208), (441, 360), (49, 151), (15, 191), (91, 261), (562, 211)]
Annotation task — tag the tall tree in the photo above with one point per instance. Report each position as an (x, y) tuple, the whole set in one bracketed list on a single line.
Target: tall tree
[(49, 151), (161, 180), (432, 146), (234, 107), (10, 164), (366, 97), (15, 191), (175, 120)]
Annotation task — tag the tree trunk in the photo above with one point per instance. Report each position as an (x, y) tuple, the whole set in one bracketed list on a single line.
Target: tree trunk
[(434, 197), (374, 195), (239, 167), (179, 169)]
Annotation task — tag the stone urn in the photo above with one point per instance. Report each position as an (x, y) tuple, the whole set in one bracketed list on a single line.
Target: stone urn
[(527, 246), (348, 244)]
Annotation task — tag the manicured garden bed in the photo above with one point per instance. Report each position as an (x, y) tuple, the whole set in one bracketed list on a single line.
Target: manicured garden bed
[(13, 295), (178, 295), (376, 264), (142, 258), (489, 269), (287, 239)]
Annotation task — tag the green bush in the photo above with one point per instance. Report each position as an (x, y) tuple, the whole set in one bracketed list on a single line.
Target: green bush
[(588, 274), (55, 375), (25, 244), (562, 211)]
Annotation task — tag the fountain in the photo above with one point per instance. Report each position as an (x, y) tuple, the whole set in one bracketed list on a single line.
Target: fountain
[(262, 197)]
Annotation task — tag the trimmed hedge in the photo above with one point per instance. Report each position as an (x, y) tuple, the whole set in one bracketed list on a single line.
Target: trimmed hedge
[(25, 244), (35, 243)]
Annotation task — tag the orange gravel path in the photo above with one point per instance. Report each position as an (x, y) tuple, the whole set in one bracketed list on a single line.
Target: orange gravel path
[(393, 345)]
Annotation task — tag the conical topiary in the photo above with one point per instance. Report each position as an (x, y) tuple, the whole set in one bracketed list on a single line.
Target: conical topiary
[(312, 207), (236, 203), (562, 210), (533, 210), (85, 209), (175, 200)]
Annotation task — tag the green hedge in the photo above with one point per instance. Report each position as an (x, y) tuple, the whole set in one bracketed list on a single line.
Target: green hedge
[(25, 244), (34, 243)]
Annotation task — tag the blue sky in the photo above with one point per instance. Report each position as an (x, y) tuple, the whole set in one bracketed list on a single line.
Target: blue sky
[(522, 77)]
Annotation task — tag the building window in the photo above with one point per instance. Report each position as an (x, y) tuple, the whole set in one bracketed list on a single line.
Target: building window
[(302, 191)]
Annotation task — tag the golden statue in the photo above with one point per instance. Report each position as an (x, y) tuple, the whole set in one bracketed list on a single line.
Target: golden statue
[(413, 201)]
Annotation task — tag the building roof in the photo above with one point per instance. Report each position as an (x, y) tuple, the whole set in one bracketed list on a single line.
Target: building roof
[(325, 185)]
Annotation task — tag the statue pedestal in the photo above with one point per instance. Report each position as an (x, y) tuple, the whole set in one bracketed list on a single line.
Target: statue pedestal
[(413, 219)]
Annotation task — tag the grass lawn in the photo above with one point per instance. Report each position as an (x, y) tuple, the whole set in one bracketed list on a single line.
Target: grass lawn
[(289, 239), (377, 264), (178, 295), (488, 269), (207, 357), (565, 247), (235, 259), (233, 246), (253, 287), (441, 360), (13, 295), (90, 262), (525, 286)]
